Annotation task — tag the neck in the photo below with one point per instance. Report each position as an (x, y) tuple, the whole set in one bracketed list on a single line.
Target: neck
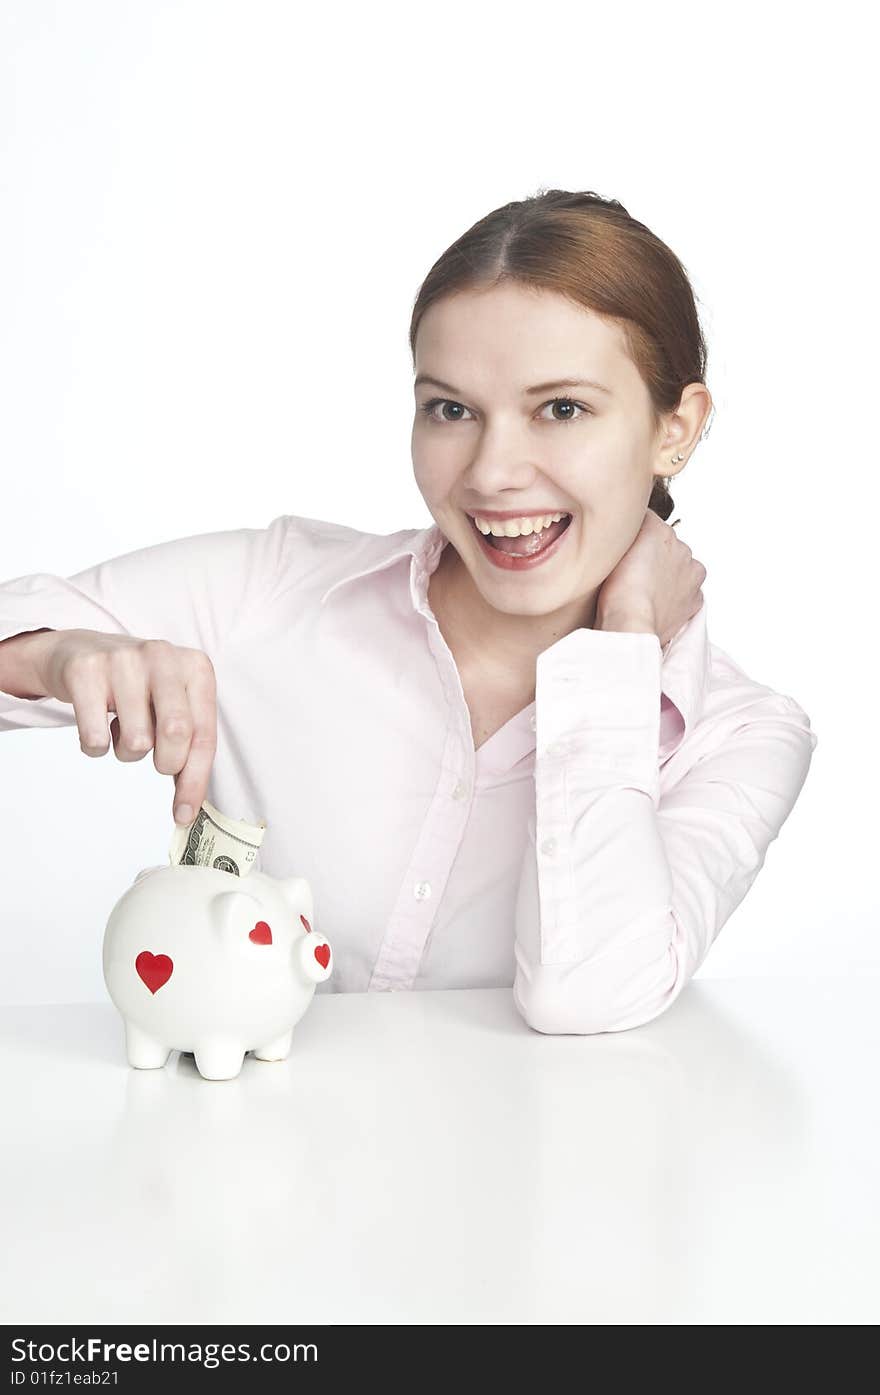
[(487, 641)]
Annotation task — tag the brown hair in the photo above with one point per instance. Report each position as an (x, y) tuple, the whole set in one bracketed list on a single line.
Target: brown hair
[(591, 250)]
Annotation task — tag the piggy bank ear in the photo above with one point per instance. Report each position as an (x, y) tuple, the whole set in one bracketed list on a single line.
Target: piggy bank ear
[(145, 872), (298, 894), (234, 914)]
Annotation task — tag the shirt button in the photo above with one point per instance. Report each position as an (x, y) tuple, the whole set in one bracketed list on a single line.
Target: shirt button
[(533, 722), (460, 790), (422, 890), (548, 845)]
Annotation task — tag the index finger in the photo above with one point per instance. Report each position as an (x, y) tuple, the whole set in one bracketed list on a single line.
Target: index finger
[(191, 783)]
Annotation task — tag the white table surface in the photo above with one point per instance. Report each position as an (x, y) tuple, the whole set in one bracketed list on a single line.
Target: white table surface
[(428, 1158)]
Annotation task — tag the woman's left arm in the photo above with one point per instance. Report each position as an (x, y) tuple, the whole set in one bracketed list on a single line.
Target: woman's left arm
[(622, 892)]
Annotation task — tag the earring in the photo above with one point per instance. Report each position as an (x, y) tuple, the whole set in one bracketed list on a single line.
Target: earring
[(675, 460)]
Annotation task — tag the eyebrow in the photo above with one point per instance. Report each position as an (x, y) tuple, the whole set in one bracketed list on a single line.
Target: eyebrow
[(539, 387)]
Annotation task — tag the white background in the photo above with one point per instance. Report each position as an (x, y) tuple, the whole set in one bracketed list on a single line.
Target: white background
[(215, 218)]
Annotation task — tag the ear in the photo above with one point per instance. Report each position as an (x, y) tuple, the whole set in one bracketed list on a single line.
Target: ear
[(145, 872), (298, 894), (233, 915)]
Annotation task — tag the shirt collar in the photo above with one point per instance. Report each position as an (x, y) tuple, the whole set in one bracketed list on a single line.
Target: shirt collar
[(376, 551), (685, 659)]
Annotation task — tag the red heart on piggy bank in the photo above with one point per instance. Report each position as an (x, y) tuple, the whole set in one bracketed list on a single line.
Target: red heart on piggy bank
[(261, 934), (154, 969), (322, 954)]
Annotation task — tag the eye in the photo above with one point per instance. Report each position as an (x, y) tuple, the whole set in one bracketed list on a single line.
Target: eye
[(427, 409)]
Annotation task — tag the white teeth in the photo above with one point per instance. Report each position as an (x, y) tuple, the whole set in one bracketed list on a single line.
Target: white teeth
[(516, 527)]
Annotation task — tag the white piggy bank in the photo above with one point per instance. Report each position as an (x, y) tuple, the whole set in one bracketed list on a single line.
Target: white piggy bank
[(200, 960)]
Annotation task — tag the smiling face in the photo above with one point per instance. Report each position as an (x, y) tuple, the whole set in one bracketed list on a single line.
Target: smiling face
[(483, 442)]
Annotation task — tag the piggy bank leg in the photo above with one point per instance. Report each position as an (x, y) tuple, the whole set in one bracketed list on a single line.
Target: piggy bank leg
[(219, 1060), (143, 1051), (277, 1050)]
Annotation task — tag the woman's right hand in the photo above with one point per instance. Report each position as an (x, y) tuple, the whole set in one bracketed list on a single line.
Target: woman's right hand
[(163, 695)]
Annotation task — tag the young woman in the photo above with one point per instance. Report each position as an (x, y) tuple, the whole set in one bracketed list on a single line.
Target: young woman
[(501, 748)]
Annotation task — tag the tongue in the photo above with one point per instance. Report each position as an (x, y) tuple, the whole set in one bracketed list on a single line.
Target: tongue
[(527, 546)]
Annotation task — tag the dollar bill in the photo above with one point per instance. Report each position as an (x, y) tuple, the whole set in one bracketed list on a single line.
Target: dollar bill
[(215, 840)]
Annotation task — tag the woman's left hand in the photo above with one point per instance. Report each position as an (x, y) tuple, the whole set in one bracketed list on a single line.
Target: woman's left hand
[(656, 585)]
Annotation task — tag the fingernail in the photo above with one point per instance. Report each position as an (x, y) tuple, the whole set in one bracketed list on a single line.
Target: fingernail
[(183, 813)]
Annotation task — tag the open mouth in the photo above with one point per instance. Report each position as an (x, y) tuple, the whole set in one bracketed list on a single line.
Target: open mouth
[(527, 544)]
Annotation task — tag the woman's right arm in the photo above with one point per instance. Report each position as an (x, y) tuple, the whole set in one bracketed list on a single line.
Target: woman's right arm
[(163, 697), (17, 665), (89, 651)]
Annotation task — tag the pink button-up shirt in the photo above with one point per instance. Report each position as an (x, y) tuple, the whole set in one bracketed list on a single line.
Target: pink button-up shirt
[(587, 855)]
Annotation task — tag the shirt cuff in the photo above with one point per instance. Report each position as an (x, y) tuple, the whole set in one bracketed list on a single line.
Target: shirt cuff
[(597, 700), (598, 697)]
